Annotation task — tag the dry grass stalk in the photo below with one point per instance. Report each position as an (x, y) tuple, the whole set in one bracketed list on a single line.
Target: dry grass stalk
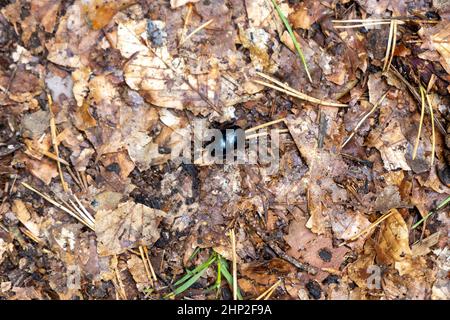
[(266, 294), (369, 228), (75, 178), (207, 23), (120, 286), (145, 262), (187, 20), (233, 248), (30, 234), (282, 87)]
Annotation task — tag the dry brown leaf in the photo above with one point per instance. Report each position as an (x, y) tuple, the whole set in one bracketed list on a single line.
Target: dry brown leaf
[(441, 41), (80, 78), (323, 167), (393, 247), (317, 251), (359, 271), (165, 80), (422, 247), (25, 217), (392, 145), (128, 226), (43, 169), (138, 272)]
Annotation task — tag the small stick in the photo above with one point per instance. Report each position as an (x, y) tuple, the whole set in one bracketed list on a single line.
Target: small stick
[(84, 179), (270, 290), (207, 23), (389, 44), (81, 214), (75, 178), (187, 19), (364, 119), (122, 292), (363, 20), (30, 234), (367, 24), (266, 294), (394, 44)]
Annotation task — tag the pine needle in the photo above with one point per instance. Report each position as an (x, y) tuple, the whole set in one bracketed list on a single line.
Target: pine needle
[(146, 267), (373, 225), (207, 23), (392, 40), (264, 125), (422, 114), (266, 294), (282, 87), (77, 214), (292, 35), (355, 130)]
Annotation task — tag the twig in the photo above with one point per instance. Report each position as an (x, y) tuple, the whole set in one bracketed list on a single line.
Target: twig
[(150, 264), (207, 23), (416, 95), (360, 122), (260, 134), (267, 293)]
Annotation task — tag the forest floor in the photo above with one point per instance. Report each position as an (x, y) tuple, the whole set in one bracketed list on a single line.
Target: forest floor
[(100, 105)]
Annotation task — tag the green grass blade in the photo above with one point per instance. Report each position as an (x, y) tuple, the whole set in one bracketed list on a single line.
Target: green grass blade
[(294, 40), (439, 207), (190, 273), (188, 283), (227, 275)]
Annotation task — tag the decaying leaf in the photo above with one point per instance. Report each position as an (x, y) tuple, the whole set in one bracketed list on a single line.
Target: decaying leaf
[(393, 246), (130, 225)]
